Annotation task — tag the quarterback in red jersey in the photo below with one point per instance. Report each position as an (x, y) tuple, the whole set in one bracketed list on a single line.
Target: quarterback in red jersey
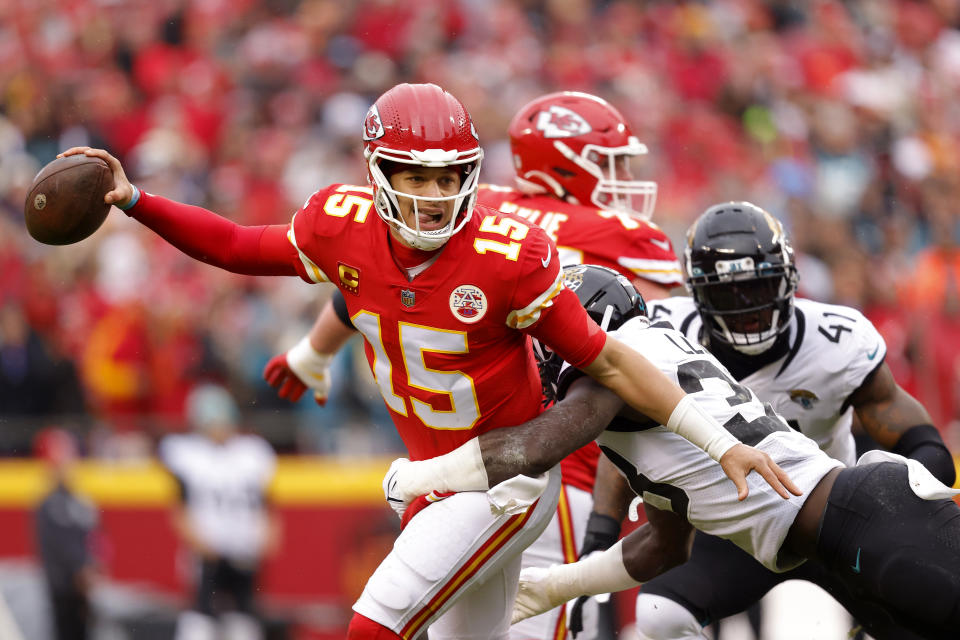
[(572, 153), (446, 293)]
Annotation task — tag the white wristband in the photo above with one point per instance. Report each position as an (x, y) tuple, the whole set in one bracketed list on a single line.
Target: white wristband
[(460, 470), (309, 364), (600, 572), (696, 425)]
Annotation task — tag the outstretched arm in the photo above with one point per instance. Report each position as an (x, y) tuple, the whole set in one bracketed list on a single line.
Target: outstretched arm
[(500, 454), (201, 234), (645, 388), (898, 422), (660, 544)]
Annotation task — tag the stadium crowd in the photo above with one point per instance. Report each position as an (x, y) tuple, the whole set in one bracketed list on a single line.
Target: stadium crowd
[(838, 117)]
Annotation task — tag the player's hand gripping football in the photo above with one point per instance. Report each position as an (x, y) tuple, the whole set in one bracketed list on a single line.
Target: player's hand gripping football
[(298, 369), (740, 459), (122, 191)]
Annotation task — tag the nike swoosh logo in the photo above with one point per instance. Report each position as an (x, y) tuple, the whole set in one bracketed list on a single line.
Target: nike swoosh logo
[(663, 244), (546, 261), (876, 349), (856, 567)]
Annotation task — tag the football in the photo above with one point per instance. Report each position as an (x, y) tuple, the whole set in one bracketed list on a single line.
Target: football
[(65, 202)]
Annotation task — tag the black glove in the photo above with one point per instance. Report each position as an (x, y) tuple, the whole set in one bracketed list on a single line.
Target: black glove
[(602, 533)]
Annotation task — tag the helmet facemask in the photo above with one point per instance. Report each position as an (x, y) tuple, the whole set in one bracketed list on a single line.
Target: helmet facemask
[(386, 198), (609, 165), (744, 304)]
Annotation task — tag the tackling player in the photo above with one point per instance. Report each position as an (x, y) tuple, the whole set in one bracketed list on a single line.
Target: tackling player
[(446, 293), (816, 364), (886, 530), (572, 154)]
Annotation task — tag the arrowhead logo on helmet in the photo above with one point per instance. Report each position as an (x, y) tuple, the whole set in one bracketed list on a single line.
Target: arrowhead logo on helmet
[(372, 126), (560, 122)]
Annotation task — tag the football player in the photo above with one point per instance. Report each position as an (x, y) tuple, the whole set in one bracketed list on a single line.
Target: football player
[(816, 364), (446, 293), (572, 153), (886, 530), (223, 515)]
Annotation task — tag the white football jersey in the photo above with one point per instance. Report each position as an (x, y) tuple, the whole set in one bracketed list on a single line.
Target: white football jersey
[(670, 473), (832, 351), (225, 485)]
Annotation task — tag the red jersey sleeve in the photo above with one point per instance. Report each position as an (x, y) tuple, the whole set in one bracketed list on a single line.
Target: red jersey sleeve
[(210, 238), (544, 308), (320, 224), (567, 329), (649, 255)]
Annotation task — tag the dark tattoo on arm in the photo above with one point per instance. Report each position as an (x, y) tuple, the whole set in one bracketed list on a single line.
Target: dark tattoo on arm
[(885, 410)]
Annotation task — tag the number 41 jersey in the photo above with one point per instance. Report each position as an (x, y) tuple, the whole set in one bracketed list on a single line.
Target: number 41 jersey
[(448, 348), (833, 349)]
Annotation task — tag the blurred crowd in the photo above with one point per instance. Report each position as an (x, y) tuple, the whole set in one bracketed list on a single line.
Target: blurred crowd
[(841, 118)]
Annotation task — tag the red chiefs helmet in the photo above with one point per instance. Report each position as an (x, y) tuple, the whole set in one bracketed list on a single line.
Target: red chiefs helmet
[(423, 125), (578, 147)]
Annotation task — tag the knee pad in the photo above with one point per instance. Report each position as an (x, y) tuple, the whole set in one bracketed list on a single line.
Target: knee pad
[(925, 591), (660, 618)]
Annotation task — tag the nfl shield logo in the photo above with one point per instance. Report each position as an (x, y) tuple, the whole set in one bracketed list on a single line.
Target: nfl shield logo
[(407, 297)]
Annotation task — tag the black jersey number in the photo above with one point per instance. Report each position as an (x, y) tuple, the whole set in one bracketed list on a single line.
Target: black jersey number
[(836, 329), (690, 375)]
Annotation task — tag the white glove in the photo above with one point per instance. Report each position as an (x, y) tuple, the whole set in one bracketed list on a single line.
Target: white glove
[(311, 367), (397, 500), (537, 594)]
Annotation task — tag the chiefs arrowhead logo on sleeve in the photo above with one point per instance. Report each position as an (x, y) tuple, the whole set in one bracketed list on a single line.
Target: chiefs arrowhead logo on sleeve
[(372, 127), (560, 122)]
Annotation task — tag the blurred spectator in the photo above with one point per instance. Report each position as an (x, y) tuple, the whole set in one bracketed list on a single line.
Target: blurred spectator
[(223, 517), (837, 116), (64, 527), (34, 381), (933, 296)]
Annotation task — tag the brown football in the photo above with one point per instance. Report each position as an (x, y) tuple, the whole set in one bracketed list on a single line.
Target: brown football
[(65, 202)]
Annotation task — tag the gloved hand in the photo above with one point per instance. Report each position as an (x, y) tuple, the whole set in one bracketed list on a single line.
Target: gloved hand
[(396, 501), (301, 367), (601, 534), (537, 593)]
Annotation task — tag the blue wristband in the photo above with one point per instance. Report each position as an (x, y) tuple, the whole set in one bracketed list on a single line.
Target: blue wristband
[(134, 200)]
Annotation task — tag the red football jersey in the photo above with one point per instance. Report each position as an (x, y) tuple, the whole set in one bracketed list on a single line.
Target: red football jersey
[(587, 235), (448, 348)]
